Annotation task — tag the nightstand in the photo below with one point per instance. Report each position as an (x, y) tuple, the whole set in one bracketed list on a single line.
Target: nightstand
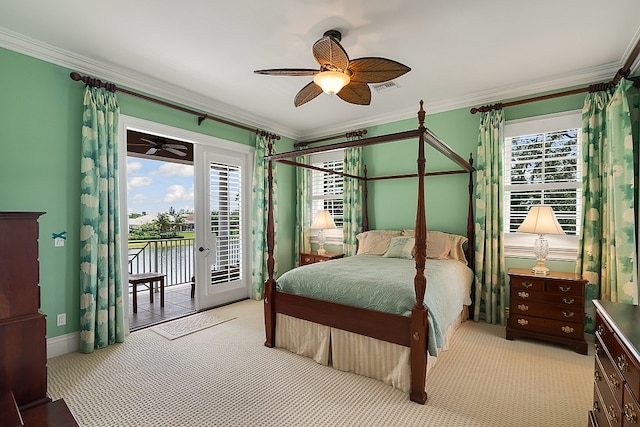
[(312, 257), (549, 308)]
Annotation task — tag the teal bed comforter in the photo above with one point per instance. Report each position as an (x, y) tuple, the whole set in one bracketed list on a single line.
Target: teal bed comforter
[(386, 284)]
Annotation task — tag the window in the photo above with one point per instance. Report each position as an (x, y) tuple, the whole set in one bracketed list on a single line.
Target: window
[(326, 191), (542, 165), (225, 185)]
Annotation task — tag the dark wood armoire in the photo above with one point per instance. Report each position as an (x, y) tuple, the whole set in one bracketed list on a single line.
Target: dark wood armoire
[(23, 347)]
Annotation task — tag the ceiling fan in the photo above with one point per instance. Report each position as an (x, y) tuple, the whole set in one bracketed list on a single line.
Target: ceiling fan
[(158, 144), (338, 75)]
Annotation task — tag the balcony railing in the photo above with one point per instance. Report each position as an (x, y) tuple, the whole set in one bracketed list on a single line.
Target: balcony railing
[(173, 257)]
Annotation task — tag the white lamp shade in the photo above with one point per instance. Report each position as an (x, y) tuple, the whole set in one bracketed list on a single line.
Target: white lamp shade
[(541, 220), (331, 82), (323, 221)]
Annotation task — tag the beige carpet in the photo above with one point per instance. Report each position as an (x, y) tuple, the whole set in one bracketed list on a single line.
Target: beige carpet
[(224, 376), (190, 324)]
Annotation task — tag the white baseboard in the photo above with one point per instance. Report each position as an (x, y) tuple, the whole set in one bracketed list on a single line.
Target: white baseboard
[(63, 344), (69, 343)]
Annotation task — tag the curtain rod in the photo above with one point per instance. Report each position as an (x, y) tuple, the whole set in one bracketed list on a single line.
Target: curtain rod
[(93, 82), (620, 74), (357, 133)]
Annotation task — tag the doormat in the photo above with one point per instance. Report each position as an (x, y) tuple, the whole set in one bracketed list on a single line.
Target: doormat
[(188, 325)]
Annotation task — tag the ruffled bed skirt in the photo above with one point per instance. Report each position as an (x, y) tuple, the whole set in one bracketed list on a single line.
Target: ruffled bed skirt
[(351, 352)]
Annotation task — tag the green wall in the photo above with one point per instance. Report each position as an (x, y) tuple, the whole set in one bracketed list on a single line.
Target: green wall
[(40, 168), (392, 203)]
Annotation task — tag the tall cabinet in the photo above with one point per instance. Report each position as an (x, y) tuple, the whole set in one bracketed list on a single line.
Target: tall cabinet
[(23, 346)]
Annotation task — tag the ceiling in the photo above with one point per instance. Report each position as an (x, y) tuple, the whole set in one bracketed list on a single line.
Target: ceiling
[(202, 53)]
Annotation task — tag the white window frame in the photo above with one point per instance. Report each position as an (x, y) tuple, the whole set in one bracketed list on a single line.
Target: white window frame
[(520, 245), (335, 236)]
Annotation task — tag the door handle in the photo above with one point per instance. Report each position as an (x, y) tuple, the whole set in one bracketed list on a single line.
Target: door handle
[(201, 249)]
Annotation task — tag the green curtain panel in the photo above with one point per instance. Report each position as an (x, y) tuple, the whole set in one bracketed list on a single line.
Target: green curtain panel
[(491, 298), (302, 236), (607, 249), (589, 261), (101, 310), (352, 200), (259, 272)]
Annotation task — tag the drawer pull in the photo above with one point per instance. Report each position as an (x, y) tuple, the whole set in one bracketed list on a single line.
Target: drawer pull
[(614, 382), (600, 329), (567, 313), (564, 288), (523, 322), (611, 414), (527, 284), (596, 406), (597, 348), (523, 294), (622, 364), (596, 375), (567, 329), (523, 307), (629, 414), (569, 301)]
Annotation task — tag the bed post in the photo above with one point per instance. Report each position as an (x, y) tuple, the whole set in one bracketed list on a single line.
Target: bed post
[(471, 233), (419, 320), (365, 201), (270, 284)]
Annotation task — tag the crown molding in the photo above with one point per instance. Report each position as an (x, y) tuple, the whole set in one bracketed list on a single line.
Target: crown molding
[(135, 81), (154, 87), (556, 83)]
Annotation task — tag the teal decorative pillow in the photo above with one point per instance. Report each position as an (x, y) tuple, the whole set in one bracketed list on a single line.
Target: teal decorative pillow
[(400, 247)]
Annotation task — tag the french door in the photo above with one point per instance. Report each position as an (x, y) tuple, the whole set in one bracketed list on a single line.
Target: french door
[(222, 215)]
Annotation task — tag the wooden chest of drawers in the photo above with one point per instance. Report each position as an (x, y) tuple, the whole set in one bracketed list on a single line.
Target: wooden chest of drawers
[(617, 365), (310, 258), (549, 308)]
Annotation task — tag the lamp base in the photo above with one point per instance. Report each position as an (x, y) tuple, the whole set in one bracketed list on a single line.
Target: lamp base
[(540, 269), (321, 250)]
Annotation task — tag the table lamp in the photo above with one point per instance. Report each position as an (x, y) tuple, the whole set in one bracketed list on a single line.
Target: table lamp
[(541, 220), (322, 222)]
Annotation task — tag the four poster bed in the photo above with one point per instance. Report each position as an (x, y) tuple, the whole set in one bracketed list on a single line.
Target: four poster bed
[(377, 324)]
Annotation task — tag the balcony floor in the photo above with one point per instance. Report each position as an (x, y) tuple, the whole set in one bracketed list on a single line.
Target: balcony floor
[(177, 303)]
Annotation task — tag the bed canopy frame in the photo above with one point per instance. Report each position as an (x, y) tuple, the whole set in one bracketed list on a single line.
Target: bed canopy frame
[(405, 331)]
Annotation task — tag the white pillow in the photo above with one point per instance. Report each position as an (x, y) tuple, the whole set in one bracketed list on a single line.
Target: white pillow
[(438, 243), (375, 242), (400, 247)]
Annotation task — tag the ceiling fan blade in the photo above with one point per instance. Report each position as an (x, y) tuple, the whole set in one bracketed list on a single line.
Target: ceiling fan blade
[(288, 72), (330, 54), (356, 93), (376, 70), (174, 151), (175, 146), (151, 151), (152, 142), (307, 93)]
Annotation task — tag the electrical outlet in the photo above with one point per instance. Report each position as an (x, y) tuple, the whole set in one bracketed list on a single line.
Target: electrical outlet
[(62, 319), (58, 242)]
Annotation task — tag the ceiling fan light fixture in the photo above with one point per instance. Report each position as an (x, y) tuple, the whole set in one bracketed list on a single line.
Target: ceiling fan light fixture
[(331, 82)]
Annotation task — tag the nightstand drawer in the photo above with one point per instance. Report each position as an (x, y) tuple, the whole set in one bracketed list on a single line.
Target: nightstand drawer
[(526, 283), (520, 295), (310, 258), (564, 288), (574, 314), (307, 259), (547, 326)]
